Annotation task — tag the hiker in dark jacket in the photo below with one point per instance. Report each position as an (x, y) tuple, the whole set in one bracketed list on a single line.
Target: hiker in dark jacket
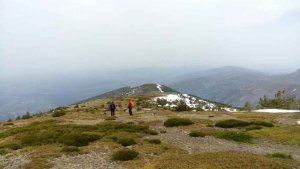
[(112, 108)]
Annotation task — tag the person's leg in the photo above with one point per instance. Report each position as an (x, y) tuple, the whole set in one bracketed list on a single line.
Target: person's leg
[(130, 111), (111, 113), (114, 111)]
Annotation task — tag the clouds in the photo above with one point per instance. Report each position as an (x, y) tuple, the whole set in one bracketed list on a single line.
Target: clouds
[(76, 35)]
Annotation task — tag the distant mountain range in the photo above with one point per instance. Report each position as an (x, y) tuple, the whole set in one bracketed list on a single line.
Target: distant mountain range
[(230, 85), (235, 85)]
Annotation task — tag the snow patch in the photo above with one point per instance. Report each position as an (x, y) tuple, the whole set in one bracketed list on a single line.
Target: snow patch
[(298, 122), (276, 111), (294, 90), (159, 88)]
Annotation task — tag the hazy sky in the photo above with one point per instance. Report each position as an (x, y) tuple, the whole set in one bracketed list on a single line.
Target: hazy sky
[(88, 35)]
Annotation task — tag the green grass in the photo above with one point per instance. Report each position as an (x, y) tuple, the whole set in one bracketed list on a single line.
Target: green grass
[(235, 136), (262, 123), (232, 123), (253, 127), (281, 155), (124, 155), (197, 134), (174, 122), (281, 135)]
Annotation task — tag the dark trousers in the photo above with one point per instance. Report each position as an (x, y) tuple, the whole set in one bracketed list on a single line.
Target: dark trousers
[(112, 112), (130, 111)]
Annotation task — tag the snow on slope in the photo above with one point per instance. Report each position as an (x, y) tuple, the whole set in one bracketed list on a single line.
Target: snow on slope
[(276, 111), (192, 102), (159, 88)]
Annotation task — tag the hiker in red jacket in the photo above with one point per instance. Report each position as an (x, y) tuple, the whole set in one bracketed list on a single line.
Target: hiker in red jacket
[(130, 106)]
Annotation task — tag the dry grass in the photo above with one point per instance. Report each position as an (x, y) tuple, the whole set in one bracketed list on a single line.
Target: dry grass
[(221, 160)]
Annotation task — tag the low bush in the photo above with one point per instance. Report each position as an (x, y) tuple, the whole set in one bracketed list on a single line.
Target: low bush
[(124, 155), (8, 124), (152, 132), (13, 146), (209, 125), (281, 155), (58, 113), (232, 123), (253, 128), (76, 139), (173, 122), (154, 141), (126, 141), (262, 123), (3, 152), (197, 134), (70, 149), (235, 136)]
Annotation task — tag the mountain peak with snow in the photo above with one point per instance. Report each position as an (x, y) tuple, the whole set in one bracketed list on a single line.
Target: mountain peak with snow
[(164, 96)]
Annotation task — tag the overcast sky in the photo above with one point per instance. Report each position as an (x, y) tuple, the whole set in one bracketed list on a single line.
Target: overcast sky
[(86, 35)]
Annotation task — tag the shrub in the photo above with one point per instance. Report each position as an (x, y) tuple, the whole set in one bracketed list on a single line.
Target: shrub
[(196, 134), (173, 122), (154, 141), (182, 106), (262, 123), (8, 124), (14, 146), (235, 136), (281, 155), (58, 113), (124, 155), (26, 116), (152, 132), (70, 149), (126, 141), (232, 123), (209, 125), (3, 152), (75, 139)]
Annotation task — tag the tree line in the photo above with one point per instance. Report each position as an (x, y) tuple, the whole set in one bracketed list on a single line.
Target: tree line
[(282, 100)]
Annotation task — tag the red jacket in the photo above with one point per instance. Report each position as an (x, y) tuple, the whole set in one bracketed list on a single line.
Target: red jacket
[(130, 104)]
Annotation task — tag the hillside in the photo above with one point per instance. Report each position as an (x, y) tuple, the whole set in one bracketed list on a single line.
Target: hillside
[(163, 96), (235, 86), (85, 136)]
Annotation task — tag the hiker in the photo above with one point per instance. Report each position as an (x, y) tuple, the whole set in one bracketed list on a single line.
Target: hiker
[(112, 108), (130, 106)]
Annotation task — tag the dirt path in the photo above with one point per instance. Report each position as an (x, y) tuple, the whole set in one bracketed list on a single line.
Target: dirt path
[(92, 160), (14, 161)]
